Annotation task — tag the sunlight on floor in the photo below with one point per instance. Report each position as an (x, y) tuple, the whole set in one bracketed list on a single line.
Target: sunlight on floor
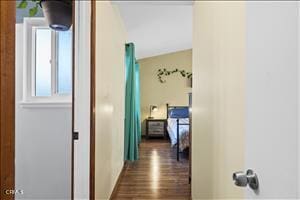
[(155, 171)]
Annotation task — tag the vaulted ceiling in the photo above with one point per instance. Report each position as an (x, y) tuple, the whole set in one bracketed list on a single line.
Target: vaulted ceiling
[(159, 27)]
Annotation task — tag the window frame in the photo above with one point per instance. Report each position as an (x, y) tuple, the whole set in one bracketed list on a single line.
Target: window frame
[(29, 67)]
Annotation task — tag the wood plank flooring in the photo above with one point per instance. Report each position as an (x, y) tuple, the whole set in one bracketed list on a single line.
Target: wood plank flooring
[(157, 175)]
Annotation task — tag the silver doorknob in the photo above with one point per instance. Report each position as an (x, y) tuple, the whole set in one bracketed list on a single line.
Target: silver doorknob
[(242, 179)]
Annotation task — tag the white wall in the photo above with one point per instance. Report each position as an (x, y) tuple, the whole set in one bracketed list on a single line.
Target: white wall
[(271, 97), (82, 100), (43, 144), (110, 97)]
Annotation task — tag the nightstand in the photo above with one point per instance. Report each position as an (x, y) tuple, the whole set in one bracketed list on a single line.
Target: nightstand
[(156, 128)]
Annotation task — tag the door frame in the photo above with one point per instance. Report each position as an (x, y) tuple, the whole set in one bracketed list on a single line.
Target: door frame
[(92, 100), (7, 99), (73, 99)]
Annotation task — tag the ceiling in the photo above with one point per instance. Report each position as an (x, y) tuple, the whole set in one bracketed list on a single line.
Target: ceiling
[(158, 27)]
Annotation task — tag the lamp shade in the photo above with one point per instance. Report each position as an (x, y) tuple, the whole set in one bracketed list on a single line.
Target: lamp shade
[(154, 108)]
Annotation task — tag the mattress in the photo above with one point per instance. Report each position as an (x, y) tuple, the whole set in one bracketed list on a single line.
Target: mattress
[(183, 132)]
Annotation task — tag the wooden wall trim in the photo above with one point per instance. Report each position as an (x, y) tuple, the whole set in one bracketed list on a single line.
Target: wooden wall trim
[(7, 99), (93, 99)]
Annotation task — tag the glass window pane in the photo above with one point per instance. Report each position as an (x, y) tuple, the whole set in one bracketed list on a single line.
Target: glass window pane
[(64, 68), (43, 62)]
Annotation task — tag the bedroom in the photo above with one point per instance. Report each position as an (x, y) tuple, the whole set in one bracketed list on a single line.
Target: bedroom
[(159, 49), (166, 91)]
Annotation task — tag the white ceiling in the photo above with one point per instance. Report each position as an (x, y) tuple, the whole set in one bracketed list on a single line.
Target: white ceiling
[(157, 27)]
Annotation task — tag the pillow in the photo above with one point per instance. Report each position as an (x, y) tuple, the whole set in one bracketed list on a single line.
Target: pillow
[(179, 112)]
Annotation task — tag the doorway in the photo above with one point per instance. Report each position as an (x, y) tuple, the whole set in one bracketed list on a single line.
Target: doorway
[(162, 77), (39, 140)]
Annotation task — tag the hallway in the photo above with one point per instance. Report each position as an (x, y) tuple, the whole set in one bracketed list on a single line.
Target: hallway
[(157, 175)]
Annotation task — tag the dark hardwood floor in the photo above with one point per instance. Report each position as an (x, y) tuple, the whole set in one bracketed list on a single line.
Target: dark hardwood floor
[(157, 175)]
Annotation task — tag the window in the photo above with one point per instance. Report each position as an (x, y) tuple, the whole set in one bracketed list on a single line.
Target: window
[(48, 59), (42, 62), (64, 69)]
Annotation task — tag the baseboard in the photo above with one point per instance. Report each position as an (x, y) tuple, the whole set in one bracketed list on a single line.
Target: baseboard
[(114, 192)]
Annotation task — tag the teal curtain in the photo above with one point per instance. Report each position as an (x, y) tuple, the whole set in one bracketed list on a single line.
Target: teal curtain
[(132, 106), (138, 100)]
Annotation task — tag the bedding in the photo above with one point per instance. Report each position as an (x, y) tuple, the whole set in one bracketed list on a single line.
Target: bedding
[(183, 132)]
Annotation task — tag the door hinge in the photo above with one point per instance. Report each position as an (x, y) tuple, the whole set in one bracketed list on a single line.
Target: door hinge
[(75, 135)]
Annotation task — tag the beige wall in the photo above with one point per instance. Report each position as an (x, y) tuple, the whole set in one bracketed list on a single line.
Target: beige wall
[(110, 89), (174, 91), (218, 99)]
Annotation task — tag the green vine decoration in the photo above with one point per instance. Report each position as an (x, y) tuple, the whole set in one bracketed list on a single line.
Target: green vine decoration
[(165, 72)]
